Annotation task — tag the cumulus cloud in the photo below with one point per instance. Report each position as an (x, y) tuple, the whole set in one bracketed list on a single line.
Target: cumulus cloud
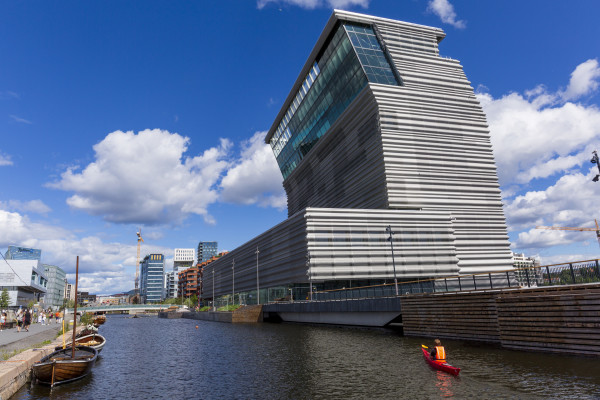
[(445, 10), (544, 140), (5, 160), (33, 206), (584, 80), (571, 201), (255, 178), (536, 137), (103, 267), (312, 4), (146, 178)]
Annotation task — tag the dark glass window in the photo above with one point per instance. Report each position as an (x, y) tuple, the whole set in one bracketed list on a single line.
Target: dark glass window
[(351, 58)]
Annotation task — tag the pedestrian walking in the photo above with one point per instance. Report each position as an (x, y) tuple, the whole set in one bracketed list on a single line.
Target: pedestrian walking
[(43, 317), (2, 320), (26, 319), (19, 318)]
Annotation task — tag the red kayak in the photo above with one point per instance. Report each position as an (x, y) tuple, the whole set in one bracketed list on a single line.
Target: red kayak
[(442, 366)]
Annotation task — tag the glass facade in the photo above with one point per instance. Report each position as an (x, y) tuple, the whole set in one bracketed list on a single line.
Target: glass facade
[(22, 253), (351, 58), (152, 278), (206, 251)]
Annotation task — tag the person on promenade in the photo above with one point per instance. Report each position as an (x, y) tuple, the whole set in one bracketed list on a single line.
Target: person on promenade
[(43, 317), (19, 317), (50, 315), (2, 320), (26, 320), (438, 353)]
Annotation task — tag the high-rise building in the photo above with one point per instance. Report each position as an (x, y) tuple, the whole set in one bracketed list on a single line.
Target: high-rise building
[(152, 285), (183, 258), (22, 253), (378, 131), (55, 289), (206, 251)]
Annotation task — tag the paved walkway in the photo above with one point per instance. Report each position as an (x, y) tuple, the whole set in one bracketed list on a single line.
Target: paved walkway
[(11, 339)]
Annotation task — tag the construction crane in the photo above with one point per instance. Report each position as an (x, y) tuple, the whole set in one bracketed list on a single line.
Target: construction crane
[(565, 228), (137, 263)]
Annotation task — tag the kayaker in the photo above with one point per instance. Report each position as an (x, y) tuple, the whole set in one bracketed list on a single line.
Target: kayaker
[(438, 353)]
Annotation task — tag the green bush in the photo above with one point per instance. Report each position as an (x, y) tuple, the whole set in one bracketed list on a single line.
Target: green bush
[(231, 307), (205, 308)]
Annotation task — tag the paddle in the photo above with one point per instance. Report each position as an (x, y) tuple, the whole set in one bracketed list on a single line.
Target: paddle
[(425, 347)]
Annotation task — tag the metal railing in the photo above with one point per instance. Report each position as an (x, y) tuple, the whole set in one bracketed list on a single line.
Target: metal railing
[(579, 272)]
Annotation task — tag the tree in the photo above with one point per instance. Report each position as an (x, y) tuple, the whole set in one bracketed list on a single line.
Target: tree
[(4, 299)]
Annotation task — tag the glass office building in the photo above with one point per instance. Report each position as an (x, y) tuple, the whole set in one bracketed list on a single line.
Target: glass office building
[(152, 282), (206, 251)]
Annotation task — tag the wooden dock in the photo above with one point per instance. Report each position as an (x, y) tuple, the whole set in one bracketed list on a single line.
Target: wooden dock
[(559, 319)]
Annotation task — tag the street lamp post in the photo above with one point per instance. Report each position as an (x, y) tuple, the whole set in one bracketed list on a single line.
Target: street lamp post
[(257, 284), (233, 281), (596, 160), (389, 231), (213, 288), (308, 272)]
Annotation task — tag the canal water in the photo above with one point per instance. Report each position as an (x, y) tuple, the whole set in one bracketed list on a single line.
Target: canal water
[(152, 358)]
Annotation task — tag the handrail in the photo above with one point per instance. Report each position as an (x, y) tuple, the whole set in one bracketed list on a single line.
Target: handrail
[(505, 274)]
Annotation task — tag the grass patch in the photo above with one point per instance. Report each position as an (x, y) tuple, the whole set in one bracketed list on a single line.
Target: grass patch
[(10, 354), (231, 307)]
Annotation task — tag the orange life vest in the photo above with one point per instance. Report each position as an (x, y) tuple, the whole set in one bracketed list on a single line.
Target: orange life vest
[(440, 353)]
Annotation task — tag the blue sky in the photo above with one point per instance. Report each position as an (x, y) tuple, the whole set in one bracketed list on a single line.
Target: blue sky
[(117, 115)]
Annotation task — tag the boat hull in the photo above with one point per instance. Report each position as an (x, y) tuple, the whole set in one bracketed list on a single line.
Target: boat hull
[(95, 341), (441, 366), (64, 367)]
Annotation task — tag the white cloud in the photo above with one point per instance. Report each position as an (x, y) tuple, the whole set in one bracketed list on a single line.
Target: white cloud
[(146, 178), (20, 120), (570, 202), (33, 206), (103, 267), (312, 4), (534, 137), (255, 178), (584, 80), (445, 10), (5, 160)]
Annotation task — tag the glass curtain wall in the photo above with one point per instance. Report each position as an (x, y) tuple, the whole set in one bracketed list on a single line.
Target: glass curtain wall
[(351, 58)]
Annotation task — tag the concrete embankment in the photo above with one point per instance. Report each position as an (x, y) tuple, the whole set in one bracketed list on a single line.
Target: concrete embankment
[(16, 370), (241, 315)]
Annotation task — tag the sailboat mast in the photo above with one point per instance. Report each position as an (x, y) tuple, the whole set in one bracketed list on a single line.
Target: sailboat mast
[(75, 308)]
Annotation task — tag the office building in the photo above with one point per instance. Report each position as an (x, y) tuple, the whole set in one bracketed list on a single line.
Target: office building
[(25, 280), (206, 251), (55, 289), (152, 278), (378, 131)]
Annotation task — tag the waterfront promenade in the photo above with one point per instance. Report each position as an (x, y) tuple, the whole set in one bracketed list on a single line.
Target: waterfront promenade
[(20, 350)]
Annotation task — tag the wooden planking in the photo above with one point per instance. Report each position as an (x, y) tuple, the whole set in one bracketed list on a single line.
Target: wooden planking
[(559, 320), (562, 319), (471, 316)]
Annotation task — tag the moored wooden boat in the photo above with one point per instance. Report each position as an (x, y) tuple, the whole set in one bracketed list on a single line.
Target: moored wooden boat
[(61, 367), (95, 341), (99, 320), (442, 366)]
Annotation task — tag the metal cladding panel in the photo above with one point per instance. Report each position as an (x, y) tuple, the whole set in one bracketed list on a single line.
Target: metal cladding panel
[(339, 244), (281, 260), (352, 244), (436, 146), (345, 168)]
